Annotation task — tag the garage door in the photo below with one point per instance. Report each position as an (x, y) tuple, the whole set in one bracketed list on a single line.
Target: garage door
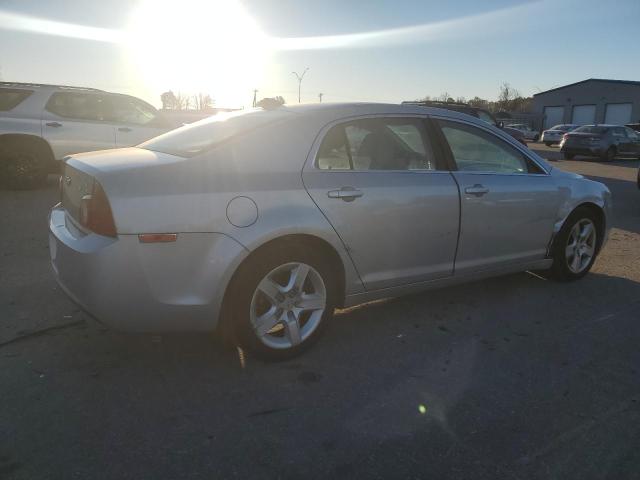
[(617, 113), (553, 116), (584, 114)]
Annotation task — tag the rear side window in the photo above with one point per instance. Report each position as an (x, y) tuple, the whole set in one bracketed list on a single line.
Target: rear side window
[(592, 129), (81, 106), (475, 150), (198, 137), (376, 144), (10, 98)]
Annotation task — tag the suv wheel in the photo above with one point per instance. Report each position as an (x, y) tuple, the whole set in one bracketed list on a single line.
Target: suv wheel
[(282, 302), (23, 168)]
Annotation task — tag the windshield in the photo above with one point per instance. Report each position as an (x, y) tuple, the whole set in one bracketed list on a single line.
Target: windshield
[(195, 138), (591, 129)]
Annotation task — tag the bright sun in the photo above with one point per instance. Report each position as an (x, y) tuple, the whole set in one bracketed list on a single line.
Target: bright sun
[(196, 46)]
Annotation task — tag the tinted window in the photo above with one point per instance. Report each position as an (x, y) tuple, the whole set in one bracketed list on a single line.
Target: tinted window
[(475, 150), (130, 110), (82, 106), (619, 132), (632, 134), (11, 98), (376, 144), (591, 129)]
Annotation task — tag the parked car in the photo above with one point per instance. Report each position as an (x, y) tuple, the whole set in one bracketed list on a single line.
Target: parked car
[(528, 132), (260, 223), (41, 124), (604, 141), (517, 134), (554, 134), (480, 113)]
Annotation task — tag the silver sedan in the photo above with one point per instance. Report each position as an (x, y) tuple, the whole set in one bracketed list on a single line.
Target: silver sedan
[(260, 223)]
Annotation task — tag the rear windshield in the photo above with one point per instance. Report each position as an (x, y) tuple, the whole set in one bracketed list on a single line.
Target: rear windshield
[(11, 97), (197, 137), (591, 129)]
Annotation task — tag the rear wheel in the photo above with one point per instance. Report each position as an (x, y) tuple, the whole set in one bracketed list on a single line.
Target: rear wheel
[(609, 155), (283, 301), (576, 246), (23, 167)]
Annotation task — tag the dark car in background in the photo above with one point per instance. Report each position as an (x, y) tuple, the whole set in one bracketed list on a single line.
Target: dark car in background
[(604, 141), (480, 113)]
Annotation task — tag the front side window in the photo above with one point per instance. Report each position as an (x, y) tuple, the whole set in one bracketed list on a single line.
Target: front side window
[(81, 106), (12, 97), (475, 150), (131, 110), (376, 144)]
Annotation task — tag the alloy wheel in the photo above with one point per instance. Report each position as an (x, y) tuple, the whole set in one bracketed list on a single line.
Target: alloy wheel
[(581, 245), (287, 305)]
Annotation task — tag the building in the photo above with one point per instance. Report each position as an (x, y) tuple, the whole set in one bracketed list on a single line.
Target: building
[(590, 101)]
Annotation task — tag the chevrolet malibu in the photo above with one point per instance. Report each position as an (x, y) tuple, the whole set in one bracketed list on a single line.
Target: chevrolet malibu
[(258, 224)]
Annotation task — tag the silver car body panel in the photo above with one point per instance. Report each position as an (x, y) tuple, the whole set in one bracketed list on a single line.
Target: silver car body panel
[(262, 185)]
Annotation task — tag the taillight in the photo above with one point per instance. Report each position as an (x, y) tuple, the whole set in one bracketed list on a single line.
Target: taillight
[(95, 212)]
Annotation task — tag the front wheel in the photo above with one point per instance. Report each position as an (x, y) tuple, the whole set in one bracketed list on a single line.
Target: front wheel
[(576, 246), (283, 301)]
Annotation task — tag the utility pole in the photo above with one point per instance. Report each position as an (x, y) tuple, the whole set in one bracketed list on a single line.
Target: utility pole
[(255, 92), (320, 96), (300, 77)]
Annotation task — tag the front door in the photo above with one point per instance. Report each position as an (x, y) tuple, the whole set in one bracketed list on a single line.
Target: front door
[(135, 121), (75, 122), (508, 202), (377, 182)]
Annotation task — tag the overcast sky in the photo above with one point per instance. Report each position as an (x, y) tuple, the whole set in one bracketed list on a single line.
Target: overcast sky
[(355, 50)]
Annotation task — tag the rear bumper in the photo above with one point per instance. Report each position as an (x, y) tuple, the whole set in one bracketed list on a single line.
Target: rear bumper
[(136, 287)]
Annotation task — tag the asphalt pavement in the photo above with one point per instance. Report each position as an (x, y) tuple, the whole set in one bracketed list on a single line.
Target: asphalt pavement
[(510, 378)]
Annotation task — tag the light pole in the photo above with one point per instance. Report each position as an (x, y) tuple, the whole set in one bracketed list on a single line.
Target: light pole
[(300, 77), (320, 96)]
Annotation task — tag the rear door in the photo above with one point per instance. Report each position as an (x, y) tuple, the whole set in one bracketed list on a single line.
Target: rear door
[(135, 121), (508, 203), (395, 208), (76, 121)]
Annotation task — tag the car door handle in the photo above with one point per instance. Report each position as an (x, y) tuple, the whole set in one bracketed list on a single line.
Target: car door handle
[(124, 129), (477, 190), (348, 194), (53, 124)]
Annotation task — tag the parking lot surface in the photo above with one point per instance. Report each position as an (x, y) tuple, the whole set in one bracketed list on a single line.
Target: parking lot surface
[(514, 377)]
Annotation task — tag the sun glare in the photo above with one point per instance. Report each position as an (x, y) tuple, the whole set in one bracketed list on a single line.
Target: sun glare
[(198, 46)]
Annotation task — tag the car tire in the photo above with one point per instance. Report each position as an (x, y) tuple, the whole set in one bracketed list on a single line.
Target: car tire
[(536, 138), (548, 144), (277, 266), (575, 248), (568, 156), (609, 155), (23, 168)]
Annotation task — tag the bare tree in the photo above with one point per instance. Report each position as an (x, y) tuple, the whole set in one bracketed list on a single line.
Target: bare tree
[(202, 101), (269, 103), (506, 96), (168, 100)]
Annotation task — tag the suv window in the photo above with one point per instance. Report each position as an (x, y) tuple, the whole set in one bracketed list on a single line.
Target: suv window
[(126, 109), (81, 106), (10, 98), (475, 150), (376, 144)]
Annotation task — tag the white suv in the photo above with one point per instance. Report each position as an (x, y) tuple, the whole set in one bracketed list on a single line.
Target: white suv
[(42, 124)]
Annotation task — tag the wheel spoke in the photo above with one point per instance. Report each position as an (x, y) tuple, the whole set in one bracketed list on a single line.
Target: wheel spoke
[(576, 262), (589, 250), (292, 327), (298, 277), (270, 288), (311, 302), (266, 321), (570, 251), (586, 231)]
